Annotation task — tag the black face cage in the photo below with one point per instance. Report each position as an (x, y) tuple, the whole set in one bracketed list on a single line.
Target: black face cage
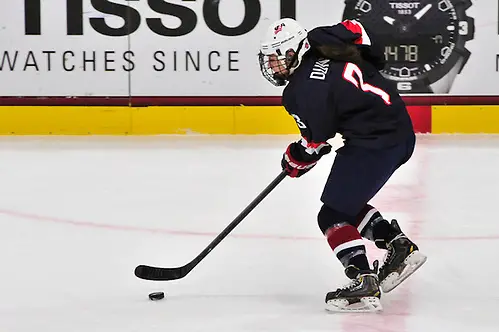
[(288, 60), (267, 72)]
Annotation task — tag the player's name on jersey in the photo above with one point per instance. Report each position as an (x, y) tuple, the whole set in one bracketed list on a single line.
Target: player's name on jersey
[(320, 69)]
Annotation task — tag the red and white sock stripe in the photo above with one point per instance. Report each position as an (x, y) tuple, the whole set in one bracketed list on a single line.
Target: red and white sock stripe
[(343, 238), (365, 216)]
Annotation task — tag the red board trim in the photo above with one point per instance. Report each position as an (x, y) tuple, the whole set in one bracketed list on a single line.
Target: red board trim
[(219, 101), (421, 118)]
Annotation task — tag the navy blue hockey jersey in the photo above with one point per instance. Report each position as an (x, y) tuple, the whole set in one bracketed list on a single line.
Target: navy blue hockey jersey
[(327, 97)]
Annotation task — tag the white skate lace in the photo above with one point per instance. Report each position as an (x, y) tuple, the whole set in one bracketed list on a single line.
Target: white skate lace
[(386, 259), (352, 284)]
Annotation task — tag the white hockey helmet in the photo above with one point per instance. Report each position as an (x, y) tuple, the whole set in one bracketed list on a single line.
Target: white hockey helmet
[(282, 49)]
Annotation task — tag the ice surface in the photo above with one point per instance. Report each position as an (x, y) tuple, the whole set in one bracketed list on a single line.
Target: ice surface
[(77, 214)]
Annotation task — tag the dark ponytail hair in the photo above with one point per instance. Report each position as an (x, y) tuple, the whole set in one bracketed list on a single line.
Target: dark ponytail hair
[(344, 53)]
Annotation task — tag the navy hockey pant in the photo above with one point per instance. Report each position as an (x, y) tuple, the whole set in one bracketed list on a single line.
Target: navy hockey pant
[(358, 173)]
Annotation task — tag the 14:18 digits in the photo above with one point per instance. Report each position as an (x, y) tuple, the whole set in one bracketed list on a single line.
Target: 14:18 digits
[(408, 53)]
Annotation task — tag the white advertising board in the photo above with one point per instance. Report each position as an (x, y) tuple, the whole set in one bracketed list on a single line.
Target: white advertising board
[(209, 47)]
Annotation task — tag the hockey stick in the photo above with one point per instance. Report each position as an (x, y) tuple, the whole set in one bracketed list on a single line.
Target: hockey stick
[(162, 273)]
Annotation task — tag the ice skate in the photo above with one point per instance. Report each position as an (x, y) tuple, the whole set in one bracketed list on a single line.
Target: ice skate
[(362, 294), (402, 259)]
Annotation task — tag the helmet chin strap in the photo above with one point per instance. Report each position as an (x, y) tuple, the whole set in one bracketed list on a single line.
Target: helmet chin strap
[(292, 61)]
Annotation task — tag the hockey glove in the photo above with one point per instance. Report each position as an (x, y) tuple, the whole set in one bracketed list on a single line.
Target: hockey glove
[(300, 157)]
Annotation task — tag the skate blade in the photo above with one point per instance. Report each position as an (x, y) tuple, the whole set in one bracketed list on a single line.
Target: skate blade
[(366, 304), (413, 262)]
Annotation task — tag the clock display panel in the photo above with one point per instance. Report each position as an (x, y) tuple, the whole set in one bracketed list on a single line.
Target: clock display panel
[(417, 36)]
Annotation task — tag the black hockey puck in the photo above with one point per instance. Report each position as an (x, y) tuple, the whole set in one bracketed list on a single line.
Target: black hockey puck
[(156, 296)]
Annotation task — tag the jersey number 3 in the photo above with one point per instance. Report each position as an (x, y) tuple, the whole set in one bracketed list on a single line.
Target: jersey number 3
[(348, 74)]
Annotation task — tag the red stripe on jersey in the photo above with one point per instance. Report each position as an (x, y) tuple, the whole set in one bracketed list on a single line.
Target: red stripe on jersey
[(339, 235), (355, 28), (315, 145)]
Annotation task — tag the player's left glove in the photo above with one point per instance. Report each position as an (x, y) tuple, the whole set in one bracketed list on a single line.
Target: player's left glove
[(300, 157)]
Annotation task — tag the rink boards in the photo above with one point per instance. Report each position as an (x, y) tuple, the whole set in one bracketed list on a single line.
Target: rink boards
[(115, 116)]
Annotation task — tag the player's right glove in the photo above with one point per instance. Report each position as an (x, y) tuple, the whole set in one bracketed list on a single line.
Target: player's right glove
[(300, 157)]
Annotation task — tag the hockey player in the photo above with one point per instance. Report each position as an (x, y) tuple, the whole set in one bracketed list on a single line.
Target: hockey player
[(333, 85)]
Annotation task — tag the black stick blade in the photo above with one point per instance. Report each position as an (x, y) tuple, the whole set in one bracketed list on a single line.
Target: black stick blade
[(160, 273)]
